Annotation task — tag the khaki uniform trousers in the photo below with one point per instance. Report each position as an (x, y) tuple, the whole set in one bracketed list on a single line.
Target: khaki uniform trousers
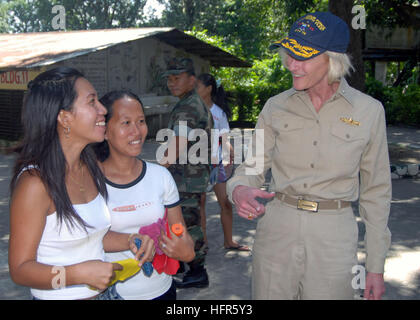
[(303, 255)]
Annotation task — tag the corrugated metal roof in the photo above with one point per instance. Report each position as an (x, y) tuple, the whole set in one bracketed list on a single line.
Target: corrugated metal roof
[(29, 50)]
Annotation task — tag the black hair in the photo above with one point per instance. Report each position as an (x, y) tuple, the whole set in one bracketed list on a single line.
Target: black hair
[(48, 94), (108, 100), (218, 94)]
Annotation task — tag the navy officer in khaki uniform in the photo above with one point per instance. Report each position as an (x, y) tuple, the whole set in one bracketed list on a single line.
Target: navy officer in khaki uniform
[(325, 143)]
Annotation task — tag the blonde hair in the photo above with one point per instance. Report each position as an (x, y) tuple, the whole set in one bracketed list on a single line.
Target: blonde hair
[(339, 64)]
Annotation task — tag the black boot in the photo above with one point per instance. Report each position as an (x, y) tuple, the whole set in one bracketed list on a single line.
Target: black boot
[(181, 269), (196, 278)]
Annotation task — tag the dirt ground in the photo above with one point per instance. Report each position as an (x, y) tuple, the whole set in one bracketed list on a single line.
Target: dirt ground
[(402, 155)]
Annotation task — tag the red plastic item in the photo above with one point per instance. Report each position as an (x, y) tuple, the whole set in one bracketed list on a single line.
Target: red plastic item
[(162, 263)]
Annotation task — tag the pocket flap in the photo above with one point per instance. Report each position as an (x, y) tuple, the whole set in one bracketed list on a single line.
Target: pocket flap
[(347, 132), (287, 123)]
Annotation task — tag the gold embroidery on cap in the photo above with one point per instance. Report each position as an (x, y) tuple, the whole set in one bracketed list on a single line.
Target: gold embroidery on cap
[(316, 21), (298, 49)]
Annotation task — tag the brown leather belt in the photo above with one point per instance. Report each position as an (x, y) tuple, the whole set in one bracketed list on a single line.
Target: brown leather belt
[(312, 206)]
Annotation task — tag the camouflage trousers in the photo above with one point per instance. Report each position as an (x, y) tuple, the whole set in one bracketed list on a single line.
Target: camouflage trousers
[(190, 205)]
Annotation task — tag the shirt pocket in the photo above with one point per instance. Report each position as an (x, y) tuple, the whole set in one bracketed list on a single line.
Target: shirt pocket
[(287, 124), (289, 136), (346, 147)]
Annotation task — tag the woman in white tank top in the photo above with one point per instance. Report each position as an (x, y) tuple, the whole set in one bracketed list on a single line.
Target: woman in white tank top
[(59, 221), (142, 196)]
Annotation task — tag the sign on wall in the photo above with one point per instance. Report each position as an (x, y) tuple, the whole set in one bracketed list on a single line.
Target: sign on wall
[(17, 79)]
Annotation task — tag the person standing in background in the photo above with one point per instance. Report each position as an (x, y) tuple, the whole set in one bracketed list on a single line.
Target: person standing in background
[(189, 116), (215, 99)]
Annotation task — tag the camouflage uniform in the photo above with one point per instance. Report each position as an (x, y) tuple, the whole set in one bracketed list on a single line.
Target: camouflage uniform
[(192, 179)]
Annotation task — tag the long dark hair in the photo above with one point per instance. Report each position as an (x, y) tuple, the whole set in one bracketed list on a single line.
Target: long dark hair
[(218, 93), (48, 93), (108, 100)]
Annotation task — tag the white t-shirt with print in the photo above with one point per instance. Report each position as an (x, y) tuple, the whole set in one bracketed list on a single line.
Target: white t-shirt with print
[(132, 206)]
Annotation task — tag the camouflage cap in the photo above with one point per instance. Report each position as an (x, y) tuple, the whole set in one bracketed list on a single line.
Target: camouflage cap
[(179, 65)]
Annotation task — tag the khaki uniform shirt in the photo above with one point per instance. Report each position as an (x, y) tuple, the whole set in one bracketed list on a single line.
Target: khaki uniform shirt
[(340, 153)]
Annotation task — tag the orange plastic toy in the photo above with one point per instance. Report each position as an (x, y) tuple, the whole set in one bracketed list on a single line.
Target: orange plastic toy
[(177, 228)]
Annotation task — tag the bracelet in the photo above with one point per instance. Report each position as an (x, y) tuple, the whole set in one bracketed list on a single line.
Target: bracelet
[(129, 237)]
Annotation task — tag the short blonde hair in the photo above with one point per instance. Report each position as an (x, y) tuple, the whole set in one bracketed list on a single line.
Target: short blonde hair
[(339, 64)]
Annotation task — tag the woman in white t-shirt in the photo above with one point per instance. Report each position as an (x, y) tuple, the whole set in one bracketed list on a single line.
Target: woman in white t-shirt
[(142, 196), (214, 97), (59, 221)]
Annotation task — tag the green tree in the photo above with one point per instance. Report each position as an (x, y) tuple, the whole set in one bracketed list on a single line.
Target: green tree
[(23, 16), (343, 9), (186, 14), (36, 15), (251, 25), (392, 13), (4, 25), (104, 14), (248, 25)]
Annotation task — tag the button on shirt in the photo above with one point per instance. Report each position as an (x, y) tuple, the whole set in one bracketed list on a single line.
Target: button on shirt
[(319, 155)]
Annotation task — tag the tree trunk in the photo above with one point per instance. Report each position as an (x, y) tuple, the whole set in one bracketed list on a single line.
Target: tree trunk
[(189, 10), (342, 9)]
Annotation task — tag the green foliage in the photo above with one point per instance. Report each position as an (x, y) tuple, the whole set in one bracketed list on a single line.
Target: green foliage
[(400, 103), (4, 7), (244, 28), (405, 106), (23, 16), (249, 26), (255, 86), (100, 14), (249, 87), (36, 15), (390, 13)]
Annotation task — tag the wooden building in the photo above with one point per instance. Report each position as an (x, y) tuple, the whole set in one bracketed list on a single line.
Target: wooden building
[(111, 59)]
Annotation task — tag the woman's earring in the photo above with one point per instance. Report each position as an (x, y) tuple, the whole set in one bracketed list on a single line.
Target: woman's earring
[(67, 132)]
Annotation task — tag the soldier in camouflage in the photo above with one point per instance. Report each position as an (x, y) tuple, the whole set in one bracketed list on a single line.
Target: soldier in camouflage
[(189, 114)]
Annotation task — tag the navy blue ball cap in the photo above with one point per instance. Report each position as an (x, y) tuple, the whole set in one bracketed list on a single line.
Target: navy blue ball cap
[(315, 33)]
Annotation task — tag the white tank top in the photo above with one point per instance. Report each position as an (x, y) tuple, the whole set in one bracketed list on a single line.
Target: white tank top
[(61, 245)]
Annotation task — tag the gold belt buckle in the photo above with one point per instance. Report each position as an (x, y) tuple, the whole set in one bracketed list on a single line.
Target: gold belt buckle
[(307, 205)]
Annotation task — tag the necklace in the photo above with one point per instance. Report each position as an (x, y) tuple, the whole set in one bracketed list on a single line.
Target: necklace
[(81, 186)]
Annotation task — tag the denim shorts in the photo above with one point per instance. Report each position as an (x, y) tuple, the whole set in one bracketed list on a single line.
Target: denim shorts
[(109, 294)]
